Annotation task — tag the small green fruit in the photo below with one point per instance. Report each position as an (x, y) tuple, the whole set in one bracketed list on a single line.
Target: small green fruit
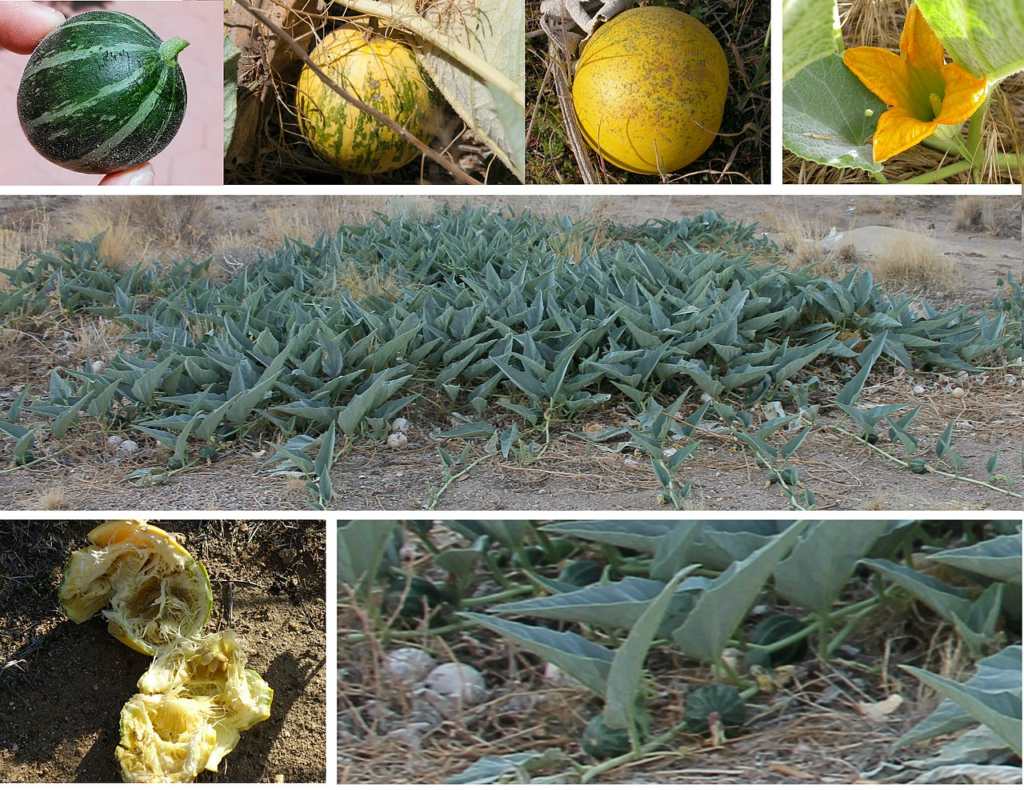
[(411, 599), (581, 573), (601, 742), (770, 631), (723, 701)]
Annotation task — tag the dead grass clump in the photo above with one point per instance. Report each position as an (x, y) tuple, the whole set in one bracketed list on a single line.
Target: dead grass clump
[(411, 207), (887, 207), (140, 227), (911, 265), (52, 498), (805, 243), (971, 213), (96, 341), (121, 244), (375, 284), (307, 219), (10, 254)]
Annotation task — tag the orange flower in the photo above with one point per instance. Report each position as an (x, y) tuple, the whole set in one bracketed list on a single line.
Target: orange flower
[(921, 89)]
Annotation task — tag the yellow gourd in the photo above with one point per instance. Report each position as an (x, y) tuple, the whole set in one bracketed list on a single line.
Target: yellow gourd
[(650, 89)]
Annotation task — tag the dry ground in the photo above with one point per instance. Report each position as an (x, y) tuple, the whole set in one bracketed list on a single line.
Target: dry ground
[(63, 685), (982, 236)]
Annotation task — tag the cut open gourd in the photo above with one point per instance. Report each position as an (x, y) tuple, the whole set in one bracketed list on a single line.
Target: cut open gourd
[(150, 589), (196, 697)]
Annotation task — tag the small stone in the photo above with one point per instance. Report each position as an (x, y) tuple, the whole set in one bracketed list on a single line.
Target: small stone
[(408, 664), (127, 447), (287, 556), (459, 682), (114, 441), (958, 392), (293, 626), (919, 390)]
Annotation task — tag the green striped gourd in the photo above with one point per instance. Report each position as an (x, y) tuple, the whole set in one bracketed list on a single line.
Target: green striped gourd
[(102, 93), (723, 702), (381, 73)]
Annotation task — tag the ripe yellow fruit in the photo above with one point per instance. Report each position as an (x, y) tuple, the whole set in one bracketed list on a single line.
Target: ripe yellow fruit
[(378, 72), (650, 89)]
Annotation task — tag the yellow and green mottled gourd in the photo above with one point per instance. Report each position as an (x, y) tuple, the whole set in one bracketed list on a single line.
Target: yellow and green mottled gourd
[(382, 73)]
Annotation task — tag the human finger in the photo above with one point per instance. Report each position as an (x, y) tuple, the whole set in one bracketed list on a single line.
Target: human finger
[(23, 25)]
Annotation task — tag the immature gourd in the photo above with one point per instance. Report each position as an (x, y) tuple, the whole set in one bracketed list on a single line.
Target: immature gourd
[(601, 742), (723, 702), (102, 93), (776, 629), (650, 89)]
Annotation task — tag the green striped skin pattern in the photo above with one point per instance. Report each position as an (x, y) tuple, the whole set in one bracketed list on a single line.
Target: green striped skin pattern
[(102, 93), (381, 73)]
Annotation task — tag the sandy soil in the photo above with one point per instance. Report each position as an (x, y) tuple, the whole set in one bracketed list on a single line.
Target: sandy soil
[(574, 475), (63, 685)]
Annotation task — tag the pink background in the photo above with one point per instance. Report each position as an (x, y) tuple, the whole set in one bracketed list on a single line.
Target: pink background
[(196, 154)]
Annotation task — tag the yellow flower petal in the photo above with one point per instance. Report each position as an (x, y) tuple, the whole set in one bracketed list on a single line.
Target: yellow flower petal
[(965, 93), (898, 131), (883, 73), (919, 44)]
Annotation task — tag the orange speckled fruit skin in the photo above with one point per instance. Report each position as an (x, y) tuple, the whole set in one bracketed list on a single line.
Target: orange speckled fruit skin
[(650, 90)]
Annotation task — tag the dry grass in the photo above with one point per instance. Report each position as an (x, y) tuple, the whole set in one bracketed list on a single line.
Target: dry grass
[(909, 265), (28, 233), (141, 227), (802, 239), (11, 254), (879, 23), (972, 213), (95, 340), (51, 498)]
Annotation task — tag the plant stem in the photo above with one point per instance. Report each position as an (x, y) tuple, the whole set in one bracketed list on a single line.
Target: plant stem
[(451, 478), (504, 595), (847, 629), (943, 172), (933, 470), (652, 745), (356, 638), (973, 146)]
